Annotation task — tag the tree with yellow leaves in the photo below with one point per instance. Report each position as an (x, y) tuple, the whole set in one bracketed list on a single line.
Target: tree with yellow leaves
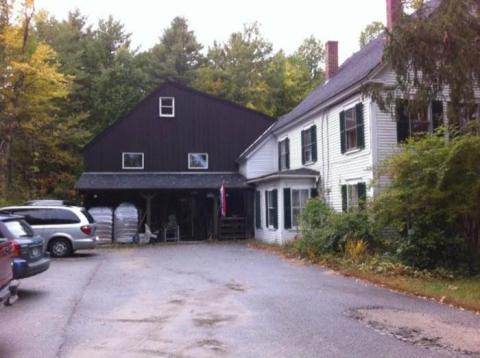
[(30, 87)]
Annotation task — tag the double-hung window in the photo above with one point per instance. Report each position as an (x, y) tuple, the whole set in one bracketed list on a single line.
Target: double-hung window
[(354, 196), (416, 122), (352, 134), (350, 129), (309, 145), (271, 205), (131, 160), (299, 200), (284, 154), (166, 106), (271, 209), (411, 122)]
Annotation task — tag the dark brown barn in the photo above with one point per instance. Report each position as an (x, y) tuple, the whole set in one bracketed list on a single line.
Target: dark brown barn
[(169, 155)]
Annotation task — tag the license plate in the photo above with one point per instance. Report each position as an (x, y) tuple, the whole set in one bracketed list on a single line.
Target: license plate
[(36, 252)]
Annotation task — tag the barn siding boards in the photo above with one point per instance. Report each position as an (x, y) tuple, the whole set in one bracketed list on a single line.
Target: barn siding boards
[(202, 124)]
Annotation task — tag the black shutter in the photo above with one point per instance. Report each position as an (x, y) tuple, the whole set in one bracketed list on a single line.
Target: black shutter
[(258, 213), (313, 133), (303, 152), (403, 130), (267, 222), (437, 114), (314, 193), (280, 156), (360, 126), (362, 195), (344, 198), (287, 145), (275, 207), (342, 132), (287, 208)]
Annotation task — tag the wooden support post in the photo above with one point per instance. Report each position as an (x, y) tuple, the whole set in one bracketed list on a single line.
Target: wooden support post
[(215, 216), (148, 209)]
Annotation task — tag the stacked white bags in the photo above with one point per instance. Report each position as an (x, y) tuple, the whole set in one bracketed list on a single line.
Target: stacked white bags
[(125, 225), (103, 217)]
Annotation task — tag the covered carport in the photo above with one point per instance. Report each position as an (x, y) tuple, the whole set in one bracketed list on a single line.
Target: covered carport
[(191, 198)]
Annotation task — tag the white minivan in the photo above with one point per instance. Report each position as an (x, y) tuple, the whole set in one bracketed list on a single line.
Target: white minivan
[(65, 229)]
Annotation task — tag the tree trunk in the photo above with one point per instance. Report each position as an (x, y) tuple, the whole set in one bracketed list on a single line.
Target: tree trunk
[(5, 146), (472, 234)]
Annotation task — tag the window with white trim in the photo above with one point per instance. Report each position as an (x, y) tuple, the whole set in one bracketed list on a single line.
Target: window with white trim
[(283, 152), (271, 209), (354, 196), (166, 106), (197, 160), (307, 145), (131, 160), (299, 201), (350, 129)]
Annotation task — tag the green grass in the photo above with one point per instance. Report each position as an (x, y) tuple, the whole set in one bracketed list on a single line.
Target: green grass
[(461, 292)]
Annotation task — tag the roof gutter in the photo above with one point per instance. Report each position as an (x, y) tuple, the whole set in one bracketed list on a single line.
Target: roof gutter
[(282, 176)]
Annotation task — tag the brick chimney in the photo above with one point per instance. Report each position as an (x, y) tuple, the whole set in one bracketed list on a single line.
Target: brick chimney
[(331, 61), (394, 12)]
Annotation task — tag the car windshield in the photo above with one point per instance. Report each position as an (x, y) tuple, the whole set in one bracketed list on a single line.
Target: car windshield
[(18, 228)]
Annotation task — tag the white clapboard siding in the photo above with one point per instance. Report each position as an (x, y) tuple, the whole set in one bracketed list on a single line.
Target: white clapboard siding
[(347, 168), (266, 234), (262, 161), (279, 235), (334, 167)]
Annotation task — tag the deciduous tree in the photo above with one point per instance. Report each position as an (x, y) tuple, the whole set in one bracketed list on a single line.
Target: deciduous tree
[(432, 51), (371, 31)]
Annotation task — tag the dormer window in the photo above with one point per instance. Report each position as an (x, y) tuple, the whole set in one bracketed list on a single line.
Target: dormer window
[(167, 107)]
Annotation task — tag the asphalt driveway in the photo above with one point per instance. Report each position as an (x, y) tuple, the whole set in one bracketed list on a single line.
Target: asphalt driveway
[(211, 300)]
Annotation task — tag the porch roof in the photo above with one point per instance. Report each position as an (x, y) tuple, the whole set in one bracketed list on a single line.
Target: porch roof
[(152, 181)]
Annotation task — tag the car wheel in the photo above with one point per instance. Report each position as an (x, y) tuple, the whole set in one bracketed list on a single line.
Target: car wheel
[(60, 248)]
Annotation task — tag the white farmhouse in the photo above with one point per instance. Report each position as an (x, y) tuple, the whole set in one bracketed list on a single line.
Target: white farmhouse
[(330, 142)]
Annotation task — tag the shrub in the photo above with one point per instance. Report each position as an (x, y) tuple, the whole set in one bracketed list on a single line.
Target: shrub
[(326, 231), (433, 202), (356, 250)]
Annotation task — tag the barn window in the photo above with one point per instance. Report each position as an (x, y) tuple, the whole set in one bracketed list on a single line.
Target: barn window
[(197, 160), (132, 160), (167, 106)]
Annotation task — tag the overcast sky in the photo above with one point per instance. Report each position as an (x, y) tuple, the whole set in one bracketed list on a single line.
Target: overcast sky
[(284, 23)]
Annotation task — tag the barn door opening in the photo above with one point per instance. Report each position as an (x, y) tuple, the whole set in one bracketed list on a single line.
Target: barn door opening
[(185, 213)]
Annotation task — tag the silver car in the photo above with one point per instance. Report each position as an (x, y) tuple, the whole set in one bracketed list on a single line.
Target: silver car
[(65, 229)]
